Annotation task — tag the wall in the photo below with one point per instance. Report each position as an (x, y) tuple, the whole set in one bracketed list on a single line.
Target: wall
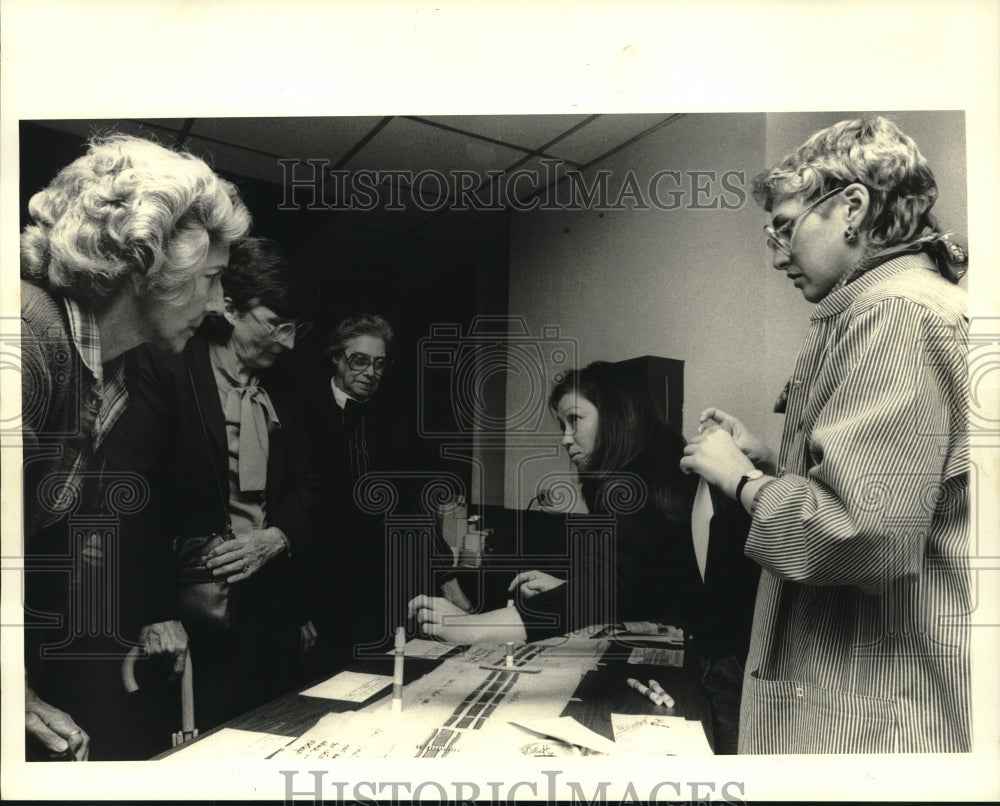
[(688, 283)]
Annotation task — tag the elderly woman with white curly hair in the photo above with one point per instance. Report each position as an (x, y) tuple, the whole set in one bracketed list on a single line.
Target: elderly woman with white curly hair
[(126, 245)]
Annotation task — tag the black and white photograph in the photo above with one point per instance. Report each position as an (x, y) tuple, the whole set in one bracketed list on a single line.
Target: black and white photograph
[(383, 443)]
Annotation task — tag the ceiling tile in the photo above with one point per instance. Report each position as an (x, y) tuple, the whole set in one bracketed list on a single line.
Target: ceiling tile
[(235, 160), (536, 173), (408, 145), (89, 127), (301, 138), (170, 124), (603, 135), (530, 132)]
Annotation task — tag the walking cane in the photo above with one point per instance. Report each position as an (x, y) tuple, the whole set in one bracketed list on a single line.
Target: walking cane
[(188, 731)]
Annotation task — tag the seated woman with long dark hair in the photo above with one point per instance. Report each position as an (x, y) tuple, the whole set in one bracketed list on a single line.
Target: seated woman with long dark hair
[(627, 458)]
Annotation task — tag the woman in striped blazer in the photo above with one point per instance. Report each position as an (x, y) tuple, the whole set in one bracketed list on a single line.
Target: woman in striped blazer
[(860, 522)]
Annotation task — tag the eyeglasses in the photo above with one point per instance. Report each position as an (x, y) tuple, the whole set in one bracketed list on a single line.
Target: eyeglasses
[(285, 329), (781, 238), (361, 361)]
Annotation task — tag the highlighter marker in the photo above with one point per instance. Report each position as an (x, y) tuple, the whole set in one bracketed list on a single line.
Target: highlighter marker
[(645, 692)]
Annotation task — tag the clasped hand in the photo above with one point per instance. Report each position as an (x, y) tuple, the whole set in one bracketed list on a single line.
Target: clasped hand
[(723, 450), (243, 556)]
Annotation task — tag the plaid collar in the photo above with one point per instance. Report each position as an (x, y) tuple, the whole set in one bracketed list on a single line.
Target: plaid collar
[(108, 397)]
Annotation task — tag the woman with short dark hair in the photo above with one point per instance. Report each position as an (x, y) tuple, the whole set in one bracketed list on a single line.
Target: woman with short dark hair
[(220, 433), (861, 522)]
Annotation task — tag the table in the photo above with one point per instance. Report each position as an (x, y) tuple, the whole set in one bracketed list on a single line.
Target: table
[(600, 692)]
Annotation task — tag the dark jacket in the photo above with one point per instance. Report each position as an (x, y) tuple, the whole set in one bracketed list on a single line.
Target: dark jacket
[(186, 464), (165, 435), (345, 578), (644, 563)]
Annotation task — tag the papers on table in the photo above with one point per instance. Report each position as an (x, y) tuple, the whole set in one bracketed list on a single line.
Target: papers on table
[(645, 632), (482, 653), (231, 743), (660, 735), (350, 686), (357, 735), (422, 648), (571, 732), (657, 656), (375, 734)]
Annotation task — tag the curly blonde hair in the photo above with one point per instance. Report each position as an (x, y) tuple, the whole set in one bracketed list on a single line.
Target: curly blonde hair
[(129, 205), (874, 152)]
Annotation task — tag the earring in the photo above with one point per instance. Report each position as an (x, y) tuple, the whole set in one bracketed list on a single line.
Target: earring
[(850, 234)]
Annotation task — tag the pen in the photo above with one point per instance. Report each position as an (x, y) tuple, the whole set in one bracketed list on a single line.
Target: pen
[(645, 692), (510, 644), (397, 671), (658, 689)]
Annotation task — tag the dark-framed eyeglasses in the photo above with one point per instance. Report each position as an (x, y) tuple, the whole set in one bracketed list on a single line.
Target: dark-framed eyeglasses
[(361, 361), (780, 239), (285, 329)]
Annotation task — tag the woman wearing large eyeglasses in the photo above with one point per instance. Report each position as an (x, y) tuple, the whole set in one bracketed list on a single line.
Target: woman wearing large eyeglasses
[(860, 522), (220, 432), (352, 434)]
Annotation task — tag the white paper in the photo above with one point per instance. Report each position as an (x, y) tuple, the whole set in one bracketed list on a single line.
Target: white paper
[(567, 729), (378, 734), (422, 648), (467, 710), (660, 735), (656, 656), (231, 743), (350, 686), (357, 735)]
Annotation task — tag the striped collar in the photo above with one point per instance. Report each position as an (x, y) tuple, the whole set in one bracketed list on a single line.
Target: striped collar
[(838, 300), (108, 397), (86, 336)]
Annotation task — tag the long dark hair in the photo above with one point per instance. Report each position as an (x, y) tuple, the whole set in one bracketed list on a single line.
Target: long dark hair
[(631, 435)]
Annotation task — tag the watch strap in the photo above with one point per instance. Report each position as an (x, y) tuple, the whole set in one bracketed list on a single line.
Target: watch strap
[(753, 474)]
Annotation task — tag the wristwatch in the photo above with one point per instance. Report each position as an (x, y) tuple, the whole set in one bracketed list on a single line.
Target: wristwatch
[(749, 476)]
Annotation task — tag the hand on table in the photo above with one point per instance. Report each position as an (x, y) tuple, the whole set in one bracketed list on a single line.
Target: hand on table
[(439, 618), (166, 638), (532, 583), (756, 450), (434, 614), (55, 729), (243, 556), (453, 592)]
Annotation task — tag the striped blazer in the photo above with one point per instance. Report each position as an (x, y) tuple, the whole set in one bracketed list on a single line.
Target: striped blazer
[(861, 632)]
